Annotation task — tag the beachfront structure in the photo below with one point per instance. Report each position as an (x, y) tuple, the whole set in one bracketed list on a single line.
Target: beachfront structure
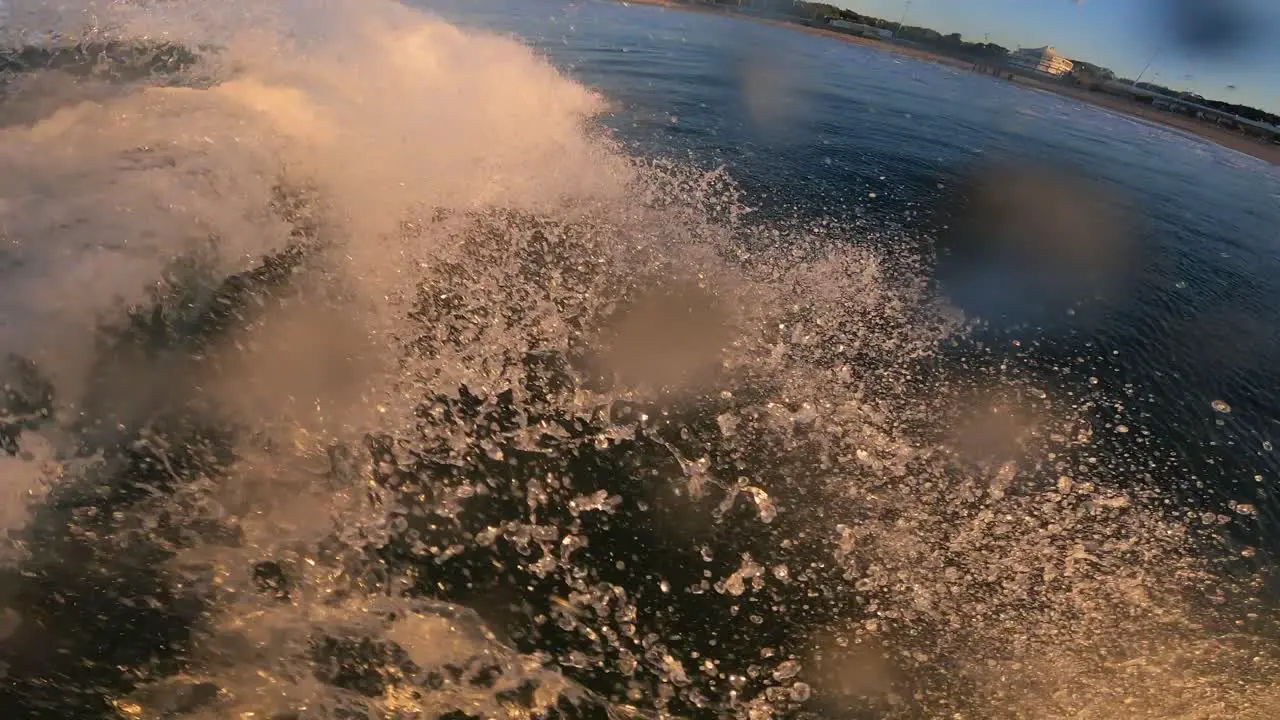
[(1043, 60), (1088, 71), (853, 28)]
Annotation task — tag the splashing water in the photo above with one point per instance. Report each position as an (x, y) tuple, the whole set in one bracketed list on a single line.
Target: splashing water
[(367, 379)]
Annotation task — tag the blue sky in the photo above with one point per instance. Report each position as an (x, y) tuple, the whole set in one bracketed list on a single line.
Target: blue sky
[(1120, 34)]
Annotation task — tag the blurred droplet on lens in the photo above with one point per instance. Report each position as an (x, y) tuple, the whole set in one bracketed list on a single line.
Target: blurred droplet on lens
[(770, 86), (1209, 27), (1023, 238)]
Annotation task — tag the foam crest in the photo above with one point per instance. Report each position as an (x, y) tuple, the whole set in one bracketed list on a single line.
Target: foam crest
[(387, 387)]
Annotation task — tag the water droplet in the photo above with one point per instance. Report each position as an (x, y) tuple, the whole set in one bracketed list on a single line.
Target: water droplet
[(596, 501), (674, 671), (871, 195), (800, 692), (786, 670), (664, 586), (806, 415), (728, 423), (1221, 406), (1122, 429), (1181, 284), (1266, 445), (1114, 501), (9, 622), (768, 511)]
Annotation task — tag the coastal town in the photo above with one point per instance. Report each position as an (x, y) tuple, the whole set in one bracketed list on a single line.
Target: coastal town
[(1239, 127)]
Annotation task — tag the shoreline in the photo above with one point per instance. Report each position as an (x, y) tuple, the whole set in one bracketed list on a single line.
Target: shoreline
[(1269, 153)]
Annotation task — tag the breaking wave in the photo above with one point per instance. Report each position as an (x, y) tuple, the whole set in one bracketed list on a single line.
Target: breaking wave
[(355, 373)]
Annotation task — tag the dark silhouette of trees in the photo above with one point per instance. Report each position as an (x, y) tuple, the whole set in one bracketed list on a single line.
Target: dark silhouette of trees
[(1244, 111)]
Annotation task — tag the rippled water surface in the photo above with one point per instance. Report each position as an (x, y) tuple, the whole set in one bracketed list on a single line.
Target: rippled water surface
[(880, 141)]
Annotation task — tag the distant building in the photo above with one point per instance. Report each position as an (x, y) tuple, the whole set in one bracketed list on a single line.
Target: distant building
[(1043, 60), (1126, 89), (1089, 71), (853, 28)]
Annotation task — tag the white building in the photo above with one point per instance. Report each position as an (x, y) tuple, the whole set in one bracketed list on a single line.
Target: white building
[(1045, 60), (852, 28)]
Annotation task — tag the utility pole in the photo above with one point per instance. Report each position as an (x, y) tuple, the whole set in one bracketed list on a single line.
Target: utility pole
[(903, 22), (1147, 67)]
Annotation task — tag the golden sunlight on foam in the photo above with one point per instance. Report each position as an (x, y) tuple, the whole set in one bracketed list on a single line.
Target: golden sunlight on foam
[(61, 122), (291, 111), (461, 171)]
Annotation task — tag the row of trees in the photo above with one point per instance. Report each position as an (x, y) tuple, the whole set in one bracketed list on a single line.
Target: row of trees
[(1244, 111), (817, 13)]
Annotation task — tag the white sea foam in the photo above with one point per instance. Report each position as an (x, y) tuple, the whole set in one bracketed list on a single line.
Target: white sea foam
[(470, 219), (24, 480)]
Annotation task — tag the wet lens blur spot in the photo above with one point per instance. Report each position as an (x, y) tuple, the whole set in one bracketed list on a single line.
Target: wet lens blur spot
[(1021, 241)]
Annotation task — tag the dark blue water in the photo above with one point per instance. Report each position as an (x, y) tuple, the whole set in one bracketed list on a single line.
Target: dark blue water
[(883, 143)]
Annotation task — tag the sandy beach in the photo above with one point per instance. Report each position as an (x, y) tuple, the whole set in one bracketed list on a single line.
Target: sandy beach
[(1268, 152)]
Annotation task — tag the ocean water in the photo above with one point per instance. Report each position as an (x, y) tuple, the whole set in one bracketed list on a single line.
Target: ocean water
[(532, 359), (816, 127)]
